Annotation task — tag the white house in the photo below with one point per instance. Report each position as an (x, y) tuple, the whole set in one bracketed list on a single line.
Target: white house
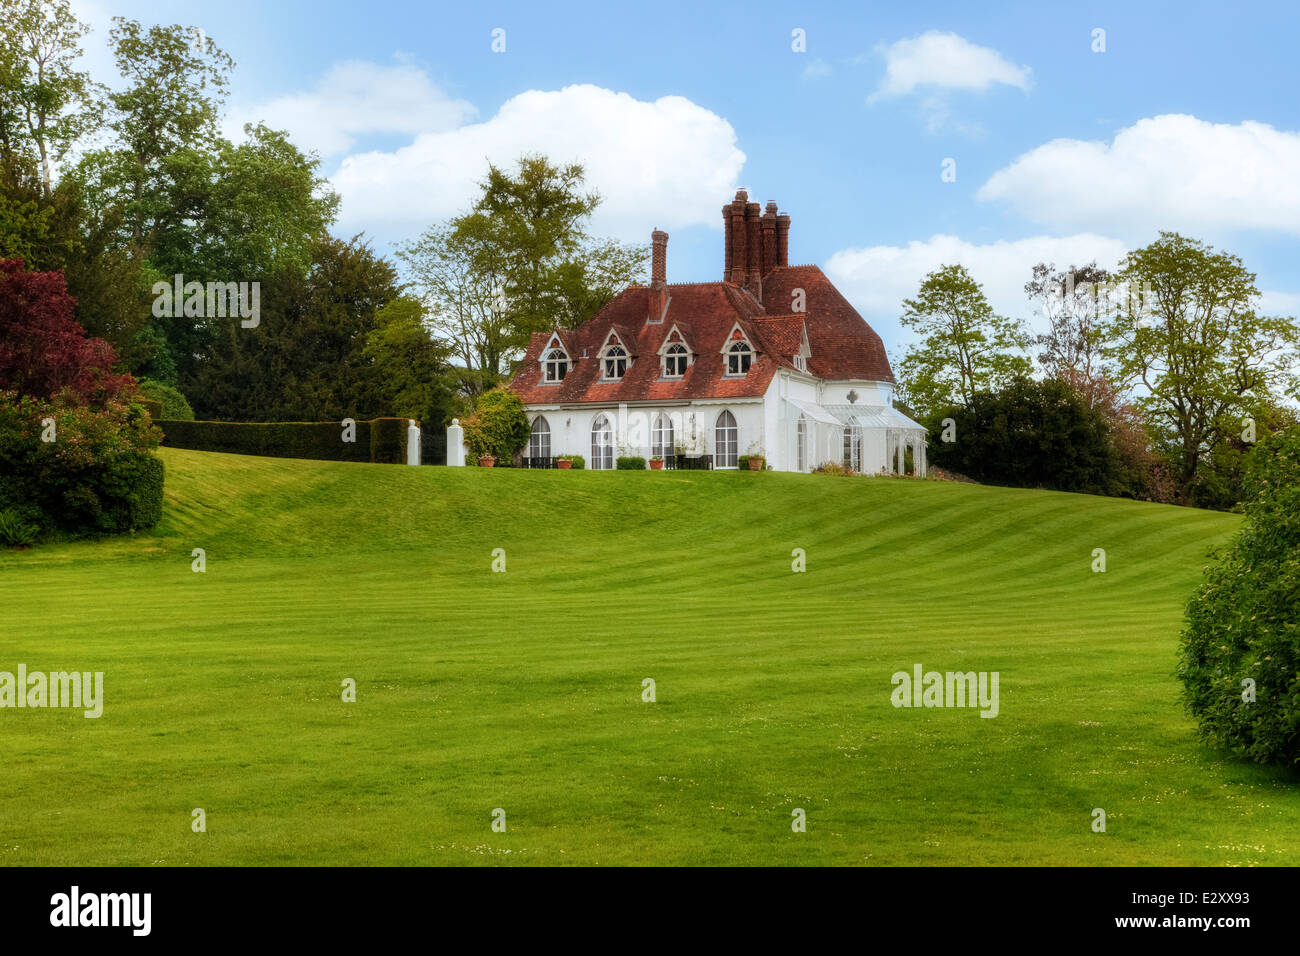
[(772, 360)]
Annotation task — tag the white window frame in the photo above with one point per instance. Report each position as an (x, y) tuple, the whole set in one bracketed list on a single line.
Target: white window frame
[(726, 447), (662, 437), (608, 355), (679, 352), (801, 443), (602, 456), (853, 448), (539, 439), (738, 349), (557, 358)]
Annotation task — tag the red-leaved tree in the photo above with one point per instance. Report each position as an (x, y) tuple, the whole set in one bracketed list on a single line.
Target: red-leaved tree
[(43, 349)]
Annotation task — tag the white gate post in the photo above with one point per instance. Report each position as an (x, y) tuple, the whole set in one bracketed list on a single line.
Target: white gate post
[(412, 443), (455, 443)]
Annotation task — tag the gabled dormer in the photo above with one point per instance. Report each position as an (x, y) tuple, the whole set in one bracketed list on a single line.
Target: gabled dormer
[(738, 353), (675, 355), (805, 350), (615, 358), (555, 360)]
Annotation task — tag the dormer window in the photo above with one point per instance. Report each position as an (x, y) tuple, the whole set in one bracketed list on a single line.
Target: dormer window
[(675, 360), (615, 363), (739, 357), (555, 366), (801, 363)]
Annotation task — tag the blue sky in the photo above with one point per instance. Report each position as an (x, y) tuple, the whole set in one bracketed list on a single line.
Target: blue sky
[(1187, 121)]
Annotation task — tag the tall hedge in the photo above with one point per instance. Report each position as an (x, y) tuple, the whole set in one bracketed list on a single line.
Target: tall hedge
[(382, 440), (1241, 647)]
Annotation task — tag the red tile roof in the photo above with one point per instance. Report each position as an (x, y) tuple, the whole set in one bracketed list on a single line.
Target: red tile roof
[(843, 345)]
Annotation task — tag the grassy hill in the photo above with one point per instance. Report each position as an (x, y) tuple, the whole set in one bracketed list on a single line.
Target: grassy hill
[(479, 690)]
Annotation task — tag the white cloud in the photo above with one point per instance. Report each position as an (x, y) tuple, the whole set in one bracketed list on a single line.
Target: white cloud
[(1165, 172), (354, 99), (1279, 303), (816, 69), (876, 279), (669, 160), (945, 61)]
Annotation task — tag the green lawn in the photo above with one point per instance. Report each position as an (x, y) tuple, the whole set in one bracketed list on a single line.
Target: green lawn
[(478, 690)]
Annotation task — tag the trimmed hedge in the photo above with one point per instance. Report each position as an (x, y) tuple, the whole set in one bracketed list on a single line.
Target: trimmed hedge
[(152, 406), (381, 440), (630, 463)]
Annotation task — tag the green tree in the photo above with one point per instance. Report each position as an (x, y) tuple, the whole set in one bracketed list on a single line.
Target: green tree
[(1029, 434), (46, 103), (519, 261), (1240, 660), (165, 121), (1188, 333), (1074, 304), (304, 361), (964, 347), (406, 369), (463, 303)]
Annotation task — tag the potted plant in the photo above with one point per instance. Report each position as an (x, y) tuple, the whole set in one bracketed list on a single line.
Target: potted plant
[(656, 463), (564, 462), (486, 461), (755, 458)]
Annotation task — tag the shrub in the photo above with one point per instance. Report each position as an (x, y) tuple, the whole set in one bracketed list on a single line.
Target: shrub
[(382, 440), (1030, 435), (15, 531), (98, 476), (43, 350), (630, 463), (172, 402), (498, 426), (154, 408), (1242, 621), (832, 468)]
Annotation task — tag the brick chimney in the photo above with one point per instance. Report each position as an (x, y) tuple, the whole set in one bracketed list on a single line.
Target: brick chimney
[(738, 239), (658, 275), (658, 259), (755, 241), (769, 238)]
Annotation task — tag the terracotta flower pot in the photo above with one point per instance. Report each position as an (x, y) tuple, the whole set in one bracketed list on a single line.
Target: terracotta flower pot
[(564, 464), (756, 462), (656, 464), (487, 461)]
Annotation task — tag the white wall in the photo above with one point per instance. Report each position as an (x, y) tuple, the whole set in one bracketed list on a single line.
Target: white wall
[(763, 424), (869, 393), (571, 427)]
